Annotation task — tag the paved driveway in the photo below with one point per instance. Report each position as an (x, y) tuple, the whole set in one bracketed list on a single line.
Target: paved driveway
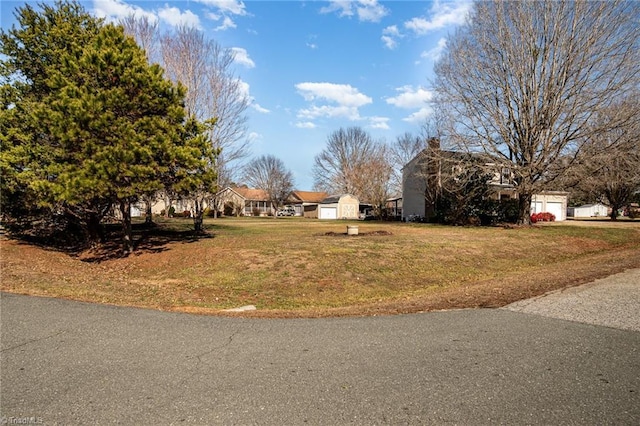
[(612, 302), (75, 363)]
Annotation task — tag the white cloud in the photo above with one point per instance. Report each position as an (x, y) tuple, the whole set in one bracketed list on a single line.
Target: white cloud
[(342, 94), (366, 10), (226, 24), (259, 108), (371, 11), (410, 97), (113, 10), (329, 111), (245, 90), (442, 14), (419, 116), (342, 6), (305, 125), (174, 17), (434, 54), (224, 8), (253, 136), (331, 100), (390, 36), (242, 57), (379, 123), (413, 98), (232, 7)]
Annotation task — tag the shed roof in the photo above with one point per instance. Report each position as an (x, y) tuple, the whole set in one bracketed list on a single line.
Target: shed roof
[(335, 198), (308, 196)]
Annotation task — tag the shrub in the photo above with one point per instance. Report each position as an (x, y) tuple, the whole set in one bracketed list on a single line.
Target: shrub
[(229, 209), (542, 217), (172, 211)]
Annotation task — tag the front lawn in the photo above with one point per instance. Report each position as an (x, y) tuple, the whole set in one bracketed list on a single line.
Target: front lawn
[(301, 267)]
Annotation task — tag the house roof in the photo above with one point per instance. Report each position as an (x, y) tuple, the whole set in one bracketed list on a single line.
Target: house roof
[(308, 196), (248, 193), (453, 156), (252, 194)]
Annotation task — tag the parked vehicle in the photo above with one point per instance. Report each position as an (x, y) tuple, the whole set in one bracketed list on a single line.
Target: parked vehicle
[(287, 211)]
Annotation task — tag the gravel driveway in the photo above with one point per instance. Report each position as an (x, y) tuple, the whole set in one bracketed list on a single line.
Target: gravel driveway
[(612, 302)]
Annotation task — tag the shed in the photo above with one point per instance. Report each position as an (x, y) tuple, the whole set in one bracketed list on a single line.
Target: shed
[(305, 203), (588, 210), (344, 206)]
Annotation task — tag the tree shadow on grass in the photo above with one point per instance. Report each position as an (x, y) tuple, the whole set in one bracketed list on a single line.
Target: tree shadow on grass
[(147, 238)]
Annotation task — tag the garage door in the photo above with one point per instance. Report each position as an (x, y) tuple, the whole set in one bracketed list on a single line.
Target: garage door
[(536, 207), (556, 210), (328, 213)]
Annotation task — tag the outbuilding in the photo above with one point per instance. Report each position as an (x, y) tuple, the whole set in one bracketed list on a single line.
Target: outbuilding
[(344, 206), (588, 210)]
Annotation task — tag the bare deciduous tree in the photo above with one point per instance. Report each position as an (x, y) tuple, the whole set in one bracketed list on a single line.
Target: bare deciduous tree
[(269, 174), (213, 92), (403, 150), (523, 81), (374, 179), (144, 31), (608, 166), (354, 163)]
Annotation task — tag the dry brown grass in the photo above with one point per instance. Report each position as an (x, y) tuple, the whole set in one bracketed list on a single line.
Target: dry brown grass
[(295, 267)]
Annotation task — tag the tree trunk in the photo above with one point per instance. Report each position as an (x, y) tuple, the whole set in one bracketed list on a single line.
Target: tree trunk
[(198, 217), (214, 203), (96, 234), (614, 212), (148, 220), (524, 209), (127, 242)]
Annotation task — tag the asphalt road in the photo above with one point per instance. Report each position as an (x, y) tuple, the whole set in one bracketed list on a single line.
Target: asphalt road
[(75, 363)]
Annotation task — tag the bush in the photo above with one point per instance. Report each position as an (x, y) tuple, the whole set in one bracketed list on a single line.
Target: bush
[(256, 211), (229, 209), (542, 217), (172, 211)]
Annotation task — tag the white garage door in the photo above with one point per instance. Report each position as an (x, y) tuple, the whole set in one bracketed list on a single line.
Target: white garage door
[(536, 207), (556, 210), (328, 213)]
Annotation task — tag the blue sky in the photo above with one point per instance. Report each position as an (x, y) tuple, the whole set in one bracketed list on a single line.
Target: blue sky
[(312, 67)]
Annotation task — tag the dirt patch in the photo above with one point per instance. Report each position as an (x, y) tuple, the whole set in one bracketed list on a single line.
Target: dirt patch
[(359, 234)]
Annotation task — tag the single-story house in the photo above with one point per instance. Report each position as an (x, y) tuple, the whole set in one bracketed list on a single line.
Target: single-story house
[(300, 200), (244, 201), (588, 210), (344, 206)]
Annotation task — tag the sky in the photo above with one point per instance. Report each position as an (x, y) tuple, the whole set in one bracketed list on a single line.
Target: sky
[(310, 68)]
